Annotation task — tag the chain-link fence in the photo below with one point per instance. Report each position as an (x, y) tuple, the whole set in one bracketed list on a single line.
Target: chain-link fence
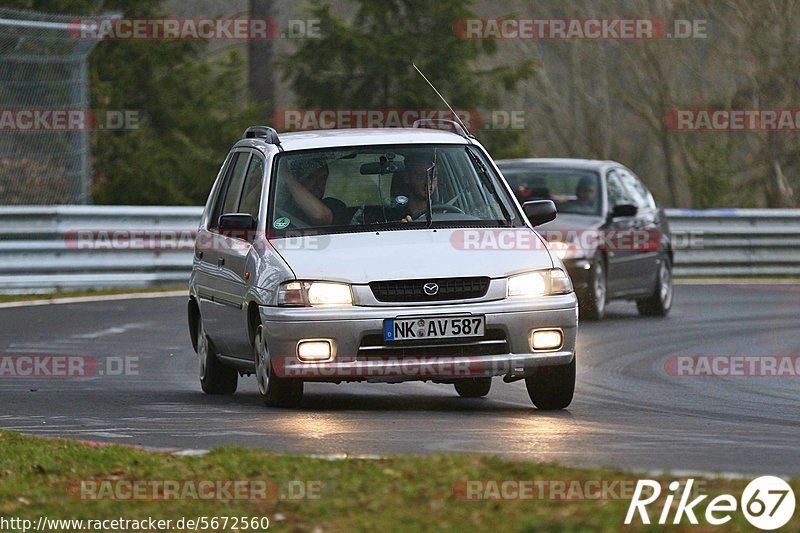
[(44, 102)]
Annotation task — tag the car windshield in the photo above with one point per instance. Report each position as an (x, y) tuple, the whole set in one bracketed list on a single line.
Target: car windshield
[(399, 186), (574, 191)]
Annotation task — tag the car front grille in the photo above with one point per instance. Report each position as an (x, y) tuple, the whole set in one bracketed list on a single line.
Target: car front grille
[(494, 342), (413, 290)]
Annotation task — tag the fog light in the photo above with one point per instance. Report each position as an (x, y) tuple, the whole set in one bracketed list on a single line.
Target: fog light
[(314, 350), (546, 339)]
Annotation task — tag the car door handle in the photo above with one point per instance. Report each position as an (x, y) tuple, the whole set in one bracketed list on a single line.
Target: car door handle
[(198, 254), (220, 261)]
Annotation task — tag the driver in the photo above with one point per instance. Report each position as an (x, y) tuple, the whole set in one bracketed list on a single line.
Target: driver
[(585, 196), (414, 180), (412, 200)]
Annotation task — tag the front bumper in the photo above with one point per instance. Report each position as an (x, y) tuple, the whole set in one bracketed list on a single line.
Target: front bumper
[(349, 327)]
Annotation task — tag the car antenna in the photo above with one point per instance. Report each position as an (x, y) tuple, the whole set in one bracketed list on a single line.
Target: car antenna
[(442, 97)]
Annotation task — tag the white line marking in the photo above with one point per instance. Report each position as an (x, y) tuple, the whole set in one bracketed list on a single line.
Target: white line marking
[(189, 452), (115, 330), (736, 281), (99, 298), (698, 473)]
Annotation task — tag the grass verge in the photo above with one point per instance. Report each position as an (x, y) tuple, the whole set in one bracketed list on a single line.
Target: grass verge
[(41, 477)]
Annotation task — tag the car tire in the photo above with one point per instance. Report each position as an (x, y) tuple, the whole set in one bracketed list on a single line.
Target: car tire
[(552, 387), (215, 378), (592, 301), (275, 391), (660, 302), (473, 388)]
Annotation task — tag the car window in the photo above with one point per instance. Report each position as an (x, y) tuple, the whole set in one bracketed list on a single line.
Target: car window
[(617, 195), (251, 194), (231, 203), (227, 201), (635, 189), (358, 188), (352, 192), (573, 190)]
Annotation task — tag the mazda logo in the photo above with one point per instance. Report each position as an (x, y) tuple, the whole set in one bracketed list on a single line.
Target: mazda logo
[(430, 289)]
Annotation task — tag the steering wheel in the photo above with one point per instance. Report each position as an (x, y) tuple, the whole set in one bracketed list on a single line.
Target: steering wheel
[(444, 208)]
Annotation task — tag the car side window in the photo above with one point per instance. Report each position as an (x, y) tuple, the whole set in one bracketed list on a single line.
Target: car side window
[(228, 198), (635, 189), (251, 194), (616, 192)]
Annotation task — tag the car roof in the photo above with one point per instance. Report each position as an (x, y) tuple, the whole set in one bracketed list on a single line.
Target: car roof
[(589, 164), (305, 140)]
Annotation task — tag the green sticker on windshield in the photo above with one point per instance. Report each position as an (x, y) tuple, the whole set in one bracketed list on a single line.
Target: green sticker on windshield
[(281, 223)]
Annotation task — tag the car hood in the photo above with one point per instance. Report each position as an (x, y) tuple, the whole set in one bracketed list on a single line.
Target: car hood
[(568, 221), (411, 254)]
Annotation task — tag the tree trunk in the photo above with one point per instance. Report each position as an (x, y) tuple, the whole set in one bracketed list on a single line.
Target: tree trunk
[(669, 167), (261, 74)]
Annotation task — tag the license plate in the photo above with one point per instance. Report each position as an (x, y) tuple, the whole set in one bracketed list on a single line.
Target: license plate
[(440, 327)]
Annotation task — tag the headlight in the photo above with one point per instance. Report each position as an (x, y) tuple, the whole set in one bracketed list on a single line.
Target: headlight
[(569, 249), (540, 283), (561, 249), (314, 293)]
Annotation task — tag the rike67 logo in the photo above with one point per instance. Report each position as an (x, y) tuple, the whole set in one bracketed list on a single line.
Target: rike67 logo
[(767, 502)]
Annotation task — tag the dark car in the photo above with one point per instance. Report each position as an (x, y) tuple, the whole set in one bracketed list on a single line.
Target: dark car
[(611, 235)]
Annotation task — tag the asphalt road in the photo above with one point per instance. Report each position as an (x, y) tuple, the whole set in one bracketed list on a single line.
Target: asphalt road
[(628, 410)]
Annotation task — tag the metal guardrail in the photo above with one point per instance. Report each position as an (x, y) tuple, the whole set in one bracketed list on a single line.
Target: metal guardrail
[(736, 242), (41, 251)]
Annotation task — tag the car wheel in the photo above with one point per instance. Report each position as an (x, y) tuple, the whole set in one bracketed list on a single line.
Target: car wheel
[(215, 378), (276, 391), (552, 387), (473, 388), (660, 302), (592, 305)]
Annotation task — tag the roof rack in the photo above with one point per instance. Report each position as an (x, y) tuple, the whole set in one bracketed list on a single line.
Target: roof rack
[(269, 135), (441, 124)]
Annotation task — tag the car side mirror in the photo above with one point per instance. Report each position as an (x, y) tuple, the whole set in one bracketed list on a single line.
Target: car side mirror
[(624, 210), (238, 225), (540, 211)]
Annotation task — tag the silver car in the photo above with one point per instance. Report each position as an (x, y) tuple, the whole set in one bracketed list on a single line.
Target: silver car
[(379, 255)]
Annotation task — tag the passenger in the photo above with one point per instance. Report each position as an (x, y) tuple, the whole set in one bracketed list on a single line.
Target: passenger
[(306, 190)]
